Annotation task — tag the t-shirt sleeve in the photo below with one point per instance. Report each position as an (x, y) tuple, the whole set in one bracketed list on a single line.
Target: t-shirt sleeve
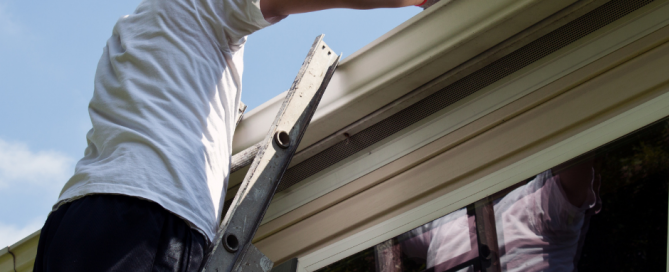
[(241, 18)]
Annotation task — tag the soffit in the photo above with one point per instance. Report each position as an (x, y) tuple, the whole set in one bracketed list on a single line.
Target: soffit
[(504, 58), (421, 49), (410, 63), (623, 38), (549, 116)]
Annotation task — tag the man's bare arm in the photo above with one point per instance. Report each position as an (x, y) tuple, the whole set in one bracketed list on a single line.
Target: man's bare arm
[(281, 8)]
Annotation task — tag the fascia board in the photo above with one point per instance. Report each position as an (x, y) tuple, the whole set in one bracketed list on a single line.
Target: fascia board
[(422, 48)]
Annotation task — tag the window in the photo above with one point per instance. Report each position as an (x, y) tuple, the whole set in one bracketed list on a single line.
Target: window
[(603, 211)]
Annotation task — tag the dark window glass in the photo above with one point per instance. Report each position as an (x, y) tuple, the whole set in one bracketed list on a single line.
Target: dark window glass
[(630, 231), (603, 211)]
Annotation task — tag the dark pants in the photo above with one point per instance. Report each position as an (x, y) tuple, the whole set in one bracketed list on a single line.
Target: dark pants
[(117, 233)]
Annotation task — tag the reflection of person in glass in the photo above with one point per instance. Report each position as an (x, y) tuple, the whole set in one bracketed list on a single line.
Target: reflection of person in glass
[(540, 226)]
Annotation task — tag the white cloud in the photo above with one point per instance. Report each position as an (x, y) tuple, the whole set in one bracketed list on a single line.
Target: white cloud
[(41, 173), (19, 166), (10, 234)]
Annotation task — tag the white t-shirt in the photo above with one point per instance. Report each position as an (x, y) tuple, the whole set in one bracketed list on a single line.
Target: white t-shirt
[(164, 107), (537, 230)]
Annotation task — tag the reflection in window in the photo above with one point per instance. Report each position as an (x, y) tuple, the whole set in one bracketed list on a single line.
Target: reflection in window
[(448, 243), (540, 224), (603, 211)]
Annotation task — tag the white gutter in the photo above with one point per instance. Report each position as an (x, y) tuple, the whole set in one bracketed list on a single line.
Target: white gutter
[(422, 48), (20, 255), (7, 263)]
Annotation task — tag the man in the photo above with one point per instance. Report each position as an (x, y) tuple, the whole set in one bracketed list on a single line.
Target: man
[(148, 192)]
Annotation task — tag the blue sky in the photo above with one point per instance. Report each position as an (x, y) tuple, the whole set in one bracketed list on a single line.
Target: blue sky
[(48, 54)]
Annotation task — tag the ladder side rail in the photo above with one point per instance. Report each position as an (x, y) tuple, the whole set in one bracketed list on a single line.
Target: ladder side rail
[(248, 208)]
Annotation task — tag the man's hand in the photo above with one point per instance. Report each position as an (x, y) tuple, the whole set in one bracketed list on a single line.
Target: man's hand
[(282, 8)]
